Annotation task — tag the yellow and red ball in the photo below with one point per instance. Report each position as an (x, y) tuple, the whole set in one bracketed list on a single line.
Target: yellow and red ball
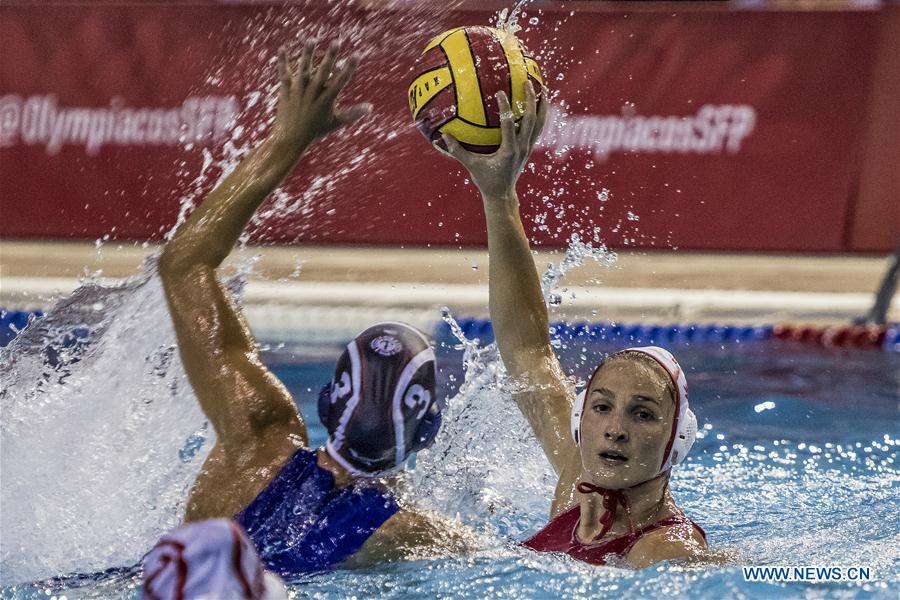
[(458, 75)]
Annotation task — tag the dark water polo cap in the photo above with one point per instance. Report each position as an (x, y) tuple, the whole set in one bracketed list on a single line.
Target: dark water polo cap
[(381, 405)]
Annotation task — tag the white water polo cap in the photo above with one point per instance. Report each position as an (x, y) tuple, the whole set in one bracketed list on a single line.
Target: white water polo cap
[(209, 560), (684, 427)]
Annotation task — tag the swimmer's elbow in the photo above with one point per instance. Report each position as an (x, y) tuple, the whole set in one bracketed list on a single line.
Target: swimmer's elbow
[(187, 286), (172, 263), (189, 250), (176, 261), (413, 535)]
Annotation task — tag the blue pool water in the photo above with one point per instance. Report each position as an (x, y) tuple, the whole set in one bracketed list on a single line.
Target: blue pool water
[(796, 465)]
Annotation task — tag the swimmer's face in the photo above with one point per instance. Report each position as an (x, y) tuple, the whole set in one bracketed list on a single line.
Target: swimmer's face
[(626, 423)]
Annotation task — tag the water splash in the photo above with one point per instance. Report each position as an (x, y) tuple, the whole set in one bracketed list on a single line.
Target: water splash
[(508, 20), (577, 252), (101, 433), (485, 467)]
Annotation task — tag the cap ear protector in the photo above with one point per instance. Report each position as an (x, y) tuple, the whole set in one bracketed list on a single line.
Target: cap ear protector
[(685, 426), (325, 403), (326, 398), (577, 410), (685, 436), (428, 428)]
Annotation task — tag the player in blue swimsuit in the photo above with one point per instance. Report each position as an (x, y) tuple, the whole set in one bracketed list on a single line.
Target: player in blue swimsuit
[(305, 510)]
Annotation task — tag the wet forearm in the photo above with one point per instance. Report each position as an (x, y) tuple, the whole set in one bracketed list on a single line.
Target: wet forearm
[(517, 307), (213, 229)]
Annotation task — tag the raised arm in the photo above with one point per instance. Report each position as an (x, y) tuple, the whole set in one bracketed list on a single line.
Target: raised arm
[(243, 400), (518, 311)]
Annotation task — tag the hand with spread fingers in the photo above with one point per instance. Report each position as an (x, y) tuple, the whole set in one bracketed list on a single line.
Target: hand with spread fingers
[(496, 174), (307, 95)]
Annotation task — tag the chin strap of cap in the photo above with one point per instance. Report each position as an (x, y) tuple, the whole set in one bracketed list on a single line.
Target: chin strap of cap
[(357, 472), (611, 501)]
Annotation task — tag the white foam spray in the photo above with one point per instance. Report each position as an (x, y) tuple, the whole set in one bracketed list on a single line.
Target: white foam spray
[(101, 434), (485, 466)]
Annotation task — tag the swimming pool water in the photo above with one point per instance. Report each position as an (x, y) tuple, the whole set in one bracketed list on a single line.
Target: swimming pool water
[(796, 465)]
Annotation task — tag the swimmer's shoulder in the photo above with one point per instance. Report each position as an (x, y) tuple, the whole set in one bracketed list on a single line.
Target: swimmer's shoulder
[(412, 534), (679, 541), (232, 478)]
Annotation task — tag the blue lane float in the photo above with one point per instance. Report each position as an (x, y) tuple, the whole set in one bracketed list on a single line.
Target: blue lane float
[(65, 349), (13, 321), (892, 339), (682, 334), (632, 334)]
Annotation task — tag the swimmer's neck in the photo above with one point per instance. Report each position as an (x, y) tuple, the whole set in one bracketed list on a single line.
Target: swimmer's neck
[(648, 502), (342, 477)]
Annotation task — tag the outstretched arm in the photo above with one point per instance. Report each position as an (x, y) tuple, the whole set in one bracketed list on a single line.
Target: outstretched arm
[(518, 311), (410, 535), (242, 399)]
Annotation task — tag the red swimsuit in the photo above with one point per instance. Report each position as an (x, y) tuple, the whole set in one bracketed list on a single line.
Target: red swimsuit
[(559, 536)]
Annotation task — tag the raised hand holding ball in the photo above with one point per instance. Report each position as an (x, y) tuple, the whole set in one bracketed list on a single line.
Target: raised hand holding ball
[(458, 77)]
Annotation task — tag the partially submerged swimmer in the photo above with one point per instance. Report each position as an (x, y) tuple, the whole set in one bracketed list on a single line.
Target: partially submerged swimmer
[(305, 509), (211, 559), (632, 424), (613, 447), (339, 503)]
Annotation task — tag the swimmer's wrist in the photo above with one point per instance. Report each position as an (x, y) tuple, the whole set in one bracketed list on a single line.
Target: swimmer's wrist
[(290, 147), (503, 201)]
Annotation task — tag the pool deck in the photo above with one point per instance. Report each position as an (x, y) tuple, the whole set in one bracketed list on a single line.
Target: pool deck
[(307, 285)]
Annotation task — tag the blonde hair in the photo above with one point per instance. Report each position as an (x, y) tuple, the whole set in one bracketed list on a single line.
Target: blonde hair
[(647, 361)]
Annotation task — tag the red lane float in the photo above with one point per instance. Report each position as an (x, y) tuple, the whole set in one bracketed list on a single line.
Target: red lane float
[(848, 336)]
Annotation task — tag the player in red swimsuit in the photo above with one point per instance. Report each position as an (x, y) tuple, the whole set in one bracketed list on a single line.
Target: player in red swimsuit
[(613, 446)]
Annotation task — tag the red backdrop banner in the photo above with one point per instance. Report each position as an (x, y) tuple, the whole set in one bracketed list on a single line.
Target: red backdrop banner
[(702, 129)]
